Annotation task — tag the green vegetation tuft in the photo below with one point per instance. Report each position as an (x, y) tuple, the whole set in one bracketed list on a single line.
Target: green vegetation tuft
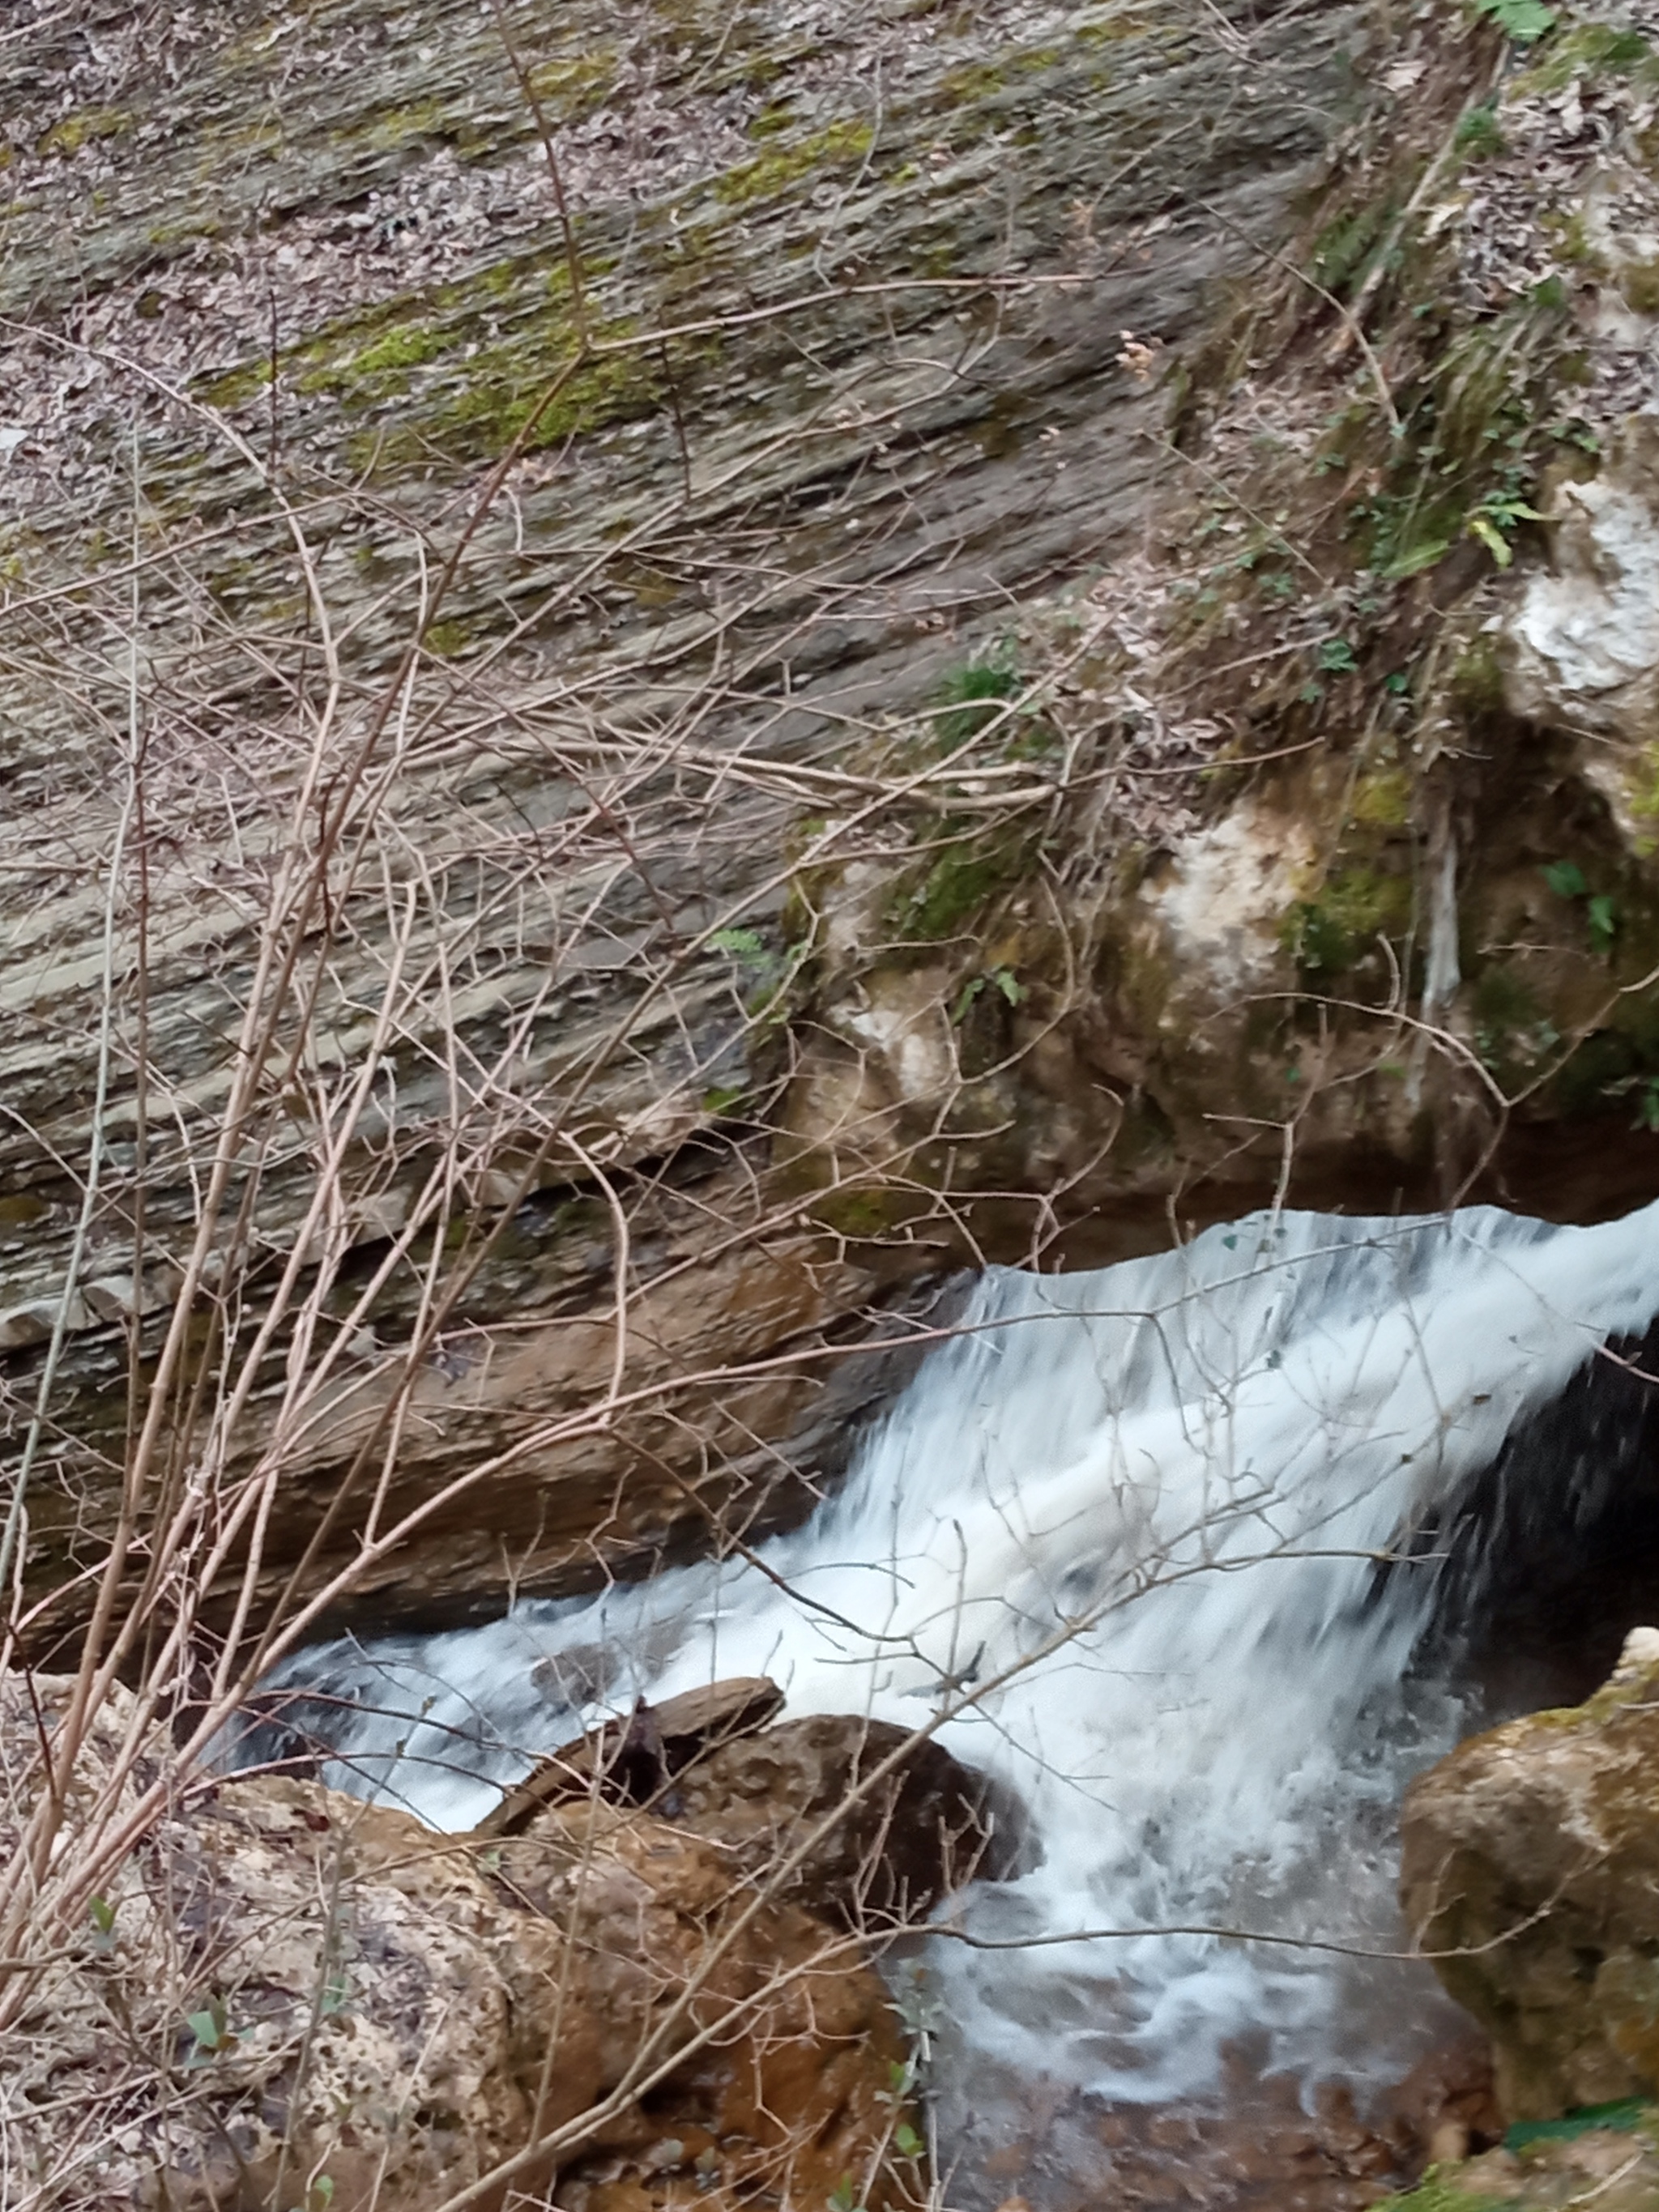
[(971, 697), (1330, 933), (1622, 2115), (1523, 21), (67, 138), (1343, 248), (1477, 136)]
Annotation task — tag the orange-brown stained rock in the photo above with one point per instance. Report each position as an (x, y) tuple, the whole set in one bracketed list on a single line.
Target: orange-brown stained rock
[(879, 1849), (670, 1735)]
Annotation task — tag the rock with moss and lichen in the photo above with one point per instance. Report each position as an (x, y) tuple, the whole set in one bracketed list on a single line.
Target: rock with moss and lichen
[(628, 421), (1530, 1876), (287, 1998)]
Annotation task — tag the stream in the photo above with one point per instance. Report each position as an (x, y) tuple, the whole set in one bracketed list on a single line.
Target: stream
[(1193, 1553)]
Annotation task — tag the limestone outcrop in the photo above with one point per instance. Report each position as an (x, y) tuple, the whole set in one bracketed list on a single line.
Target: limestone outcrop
[(1529, 1857), (664, 680), (441, 636), (1612, 2166), (285, 1998)]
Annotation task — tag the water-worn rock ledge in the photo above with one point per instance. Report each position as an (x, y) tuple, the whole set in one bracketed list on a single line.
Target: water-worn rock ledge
[(1527, 1875), (983, 709)]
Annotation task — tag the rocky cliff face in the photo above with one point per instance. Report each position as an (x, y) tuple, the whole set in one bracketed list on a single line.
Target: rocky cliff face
[(481, 491), (668, 671)]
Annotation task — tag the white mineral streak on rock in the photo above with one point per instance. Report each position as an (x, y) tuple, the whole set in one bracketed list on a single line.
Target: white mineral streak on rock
[(1639, 1652), (905, 1024), (1581, 645), (1222, 898)]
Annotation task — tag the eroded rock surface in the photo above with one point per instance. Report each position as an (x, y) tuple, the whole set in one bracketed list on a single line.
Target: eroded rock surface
[(827, 372), (892, 1844), (985, 694), (843, 1815), (1616, 2168), (287, 1999), (1530, 1865)]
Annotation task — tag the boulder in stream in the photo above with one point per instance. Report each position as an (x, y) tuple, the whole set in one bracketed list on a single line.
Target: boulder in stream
[(876, 1849), (843, 1815), (1530, 1875)]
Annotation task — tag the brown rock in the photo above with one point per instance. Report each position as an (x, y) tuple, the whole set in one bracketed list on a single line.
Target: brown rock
[(621, 1026), (1531, 1862), (282, 1984), (875, 1852), (793, 2086), (630, 1761)]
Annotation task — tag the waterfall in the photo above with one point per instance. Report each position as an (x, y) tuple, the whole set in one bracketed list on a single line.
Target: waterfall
[(1134, 1524)]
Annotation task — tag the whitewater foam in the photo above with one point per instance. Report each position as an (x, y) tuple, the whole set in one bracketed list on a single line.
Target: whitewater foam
[(1123, 1529)]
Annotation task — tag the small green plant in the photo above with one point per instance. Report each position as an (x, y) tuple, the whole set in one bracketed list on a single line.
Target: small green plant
[(1337, 657), (1002, 979), (906, 2141), (1414, 558), (212, 2031), (1496, 521), (1603, 918), (972, 696), (1523, 21), (1477, 135), (1566, 879), (844, 2196), (102, 1914), (746, 946)]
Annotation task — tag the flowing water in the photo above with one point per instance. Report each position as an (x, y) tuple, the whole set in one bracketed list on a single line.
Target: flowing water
[(1147, 1536)]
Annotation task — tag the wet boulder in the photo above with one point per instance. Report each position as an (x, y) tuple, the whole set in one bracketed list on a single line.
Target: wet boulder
[(1530, 1866), (632, 1760), (841, 1816), (849, 1817), (1609, 2159)]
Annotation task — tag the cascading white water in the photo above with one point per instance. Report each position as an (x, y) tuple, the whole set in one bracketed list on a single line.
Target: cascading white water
[(1129, 1523)]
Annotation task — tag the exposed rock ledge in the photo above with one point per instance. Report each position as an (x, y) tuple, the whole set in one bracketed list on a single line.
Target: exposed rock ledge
[(665, 956), (1531, 1862), (284, 1999)]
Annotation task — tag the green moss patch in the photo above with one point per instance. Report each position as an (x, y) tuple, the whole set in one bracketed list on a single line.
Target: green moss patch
[(1624, 2115), (784, 166), (83, 128), (1329, 933), (958, 883), (1438, 2191)]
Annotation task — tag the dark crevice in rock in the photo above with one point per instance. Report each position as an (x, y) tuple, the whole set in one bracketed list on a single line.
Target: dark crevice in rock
[(1548, 1559)]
